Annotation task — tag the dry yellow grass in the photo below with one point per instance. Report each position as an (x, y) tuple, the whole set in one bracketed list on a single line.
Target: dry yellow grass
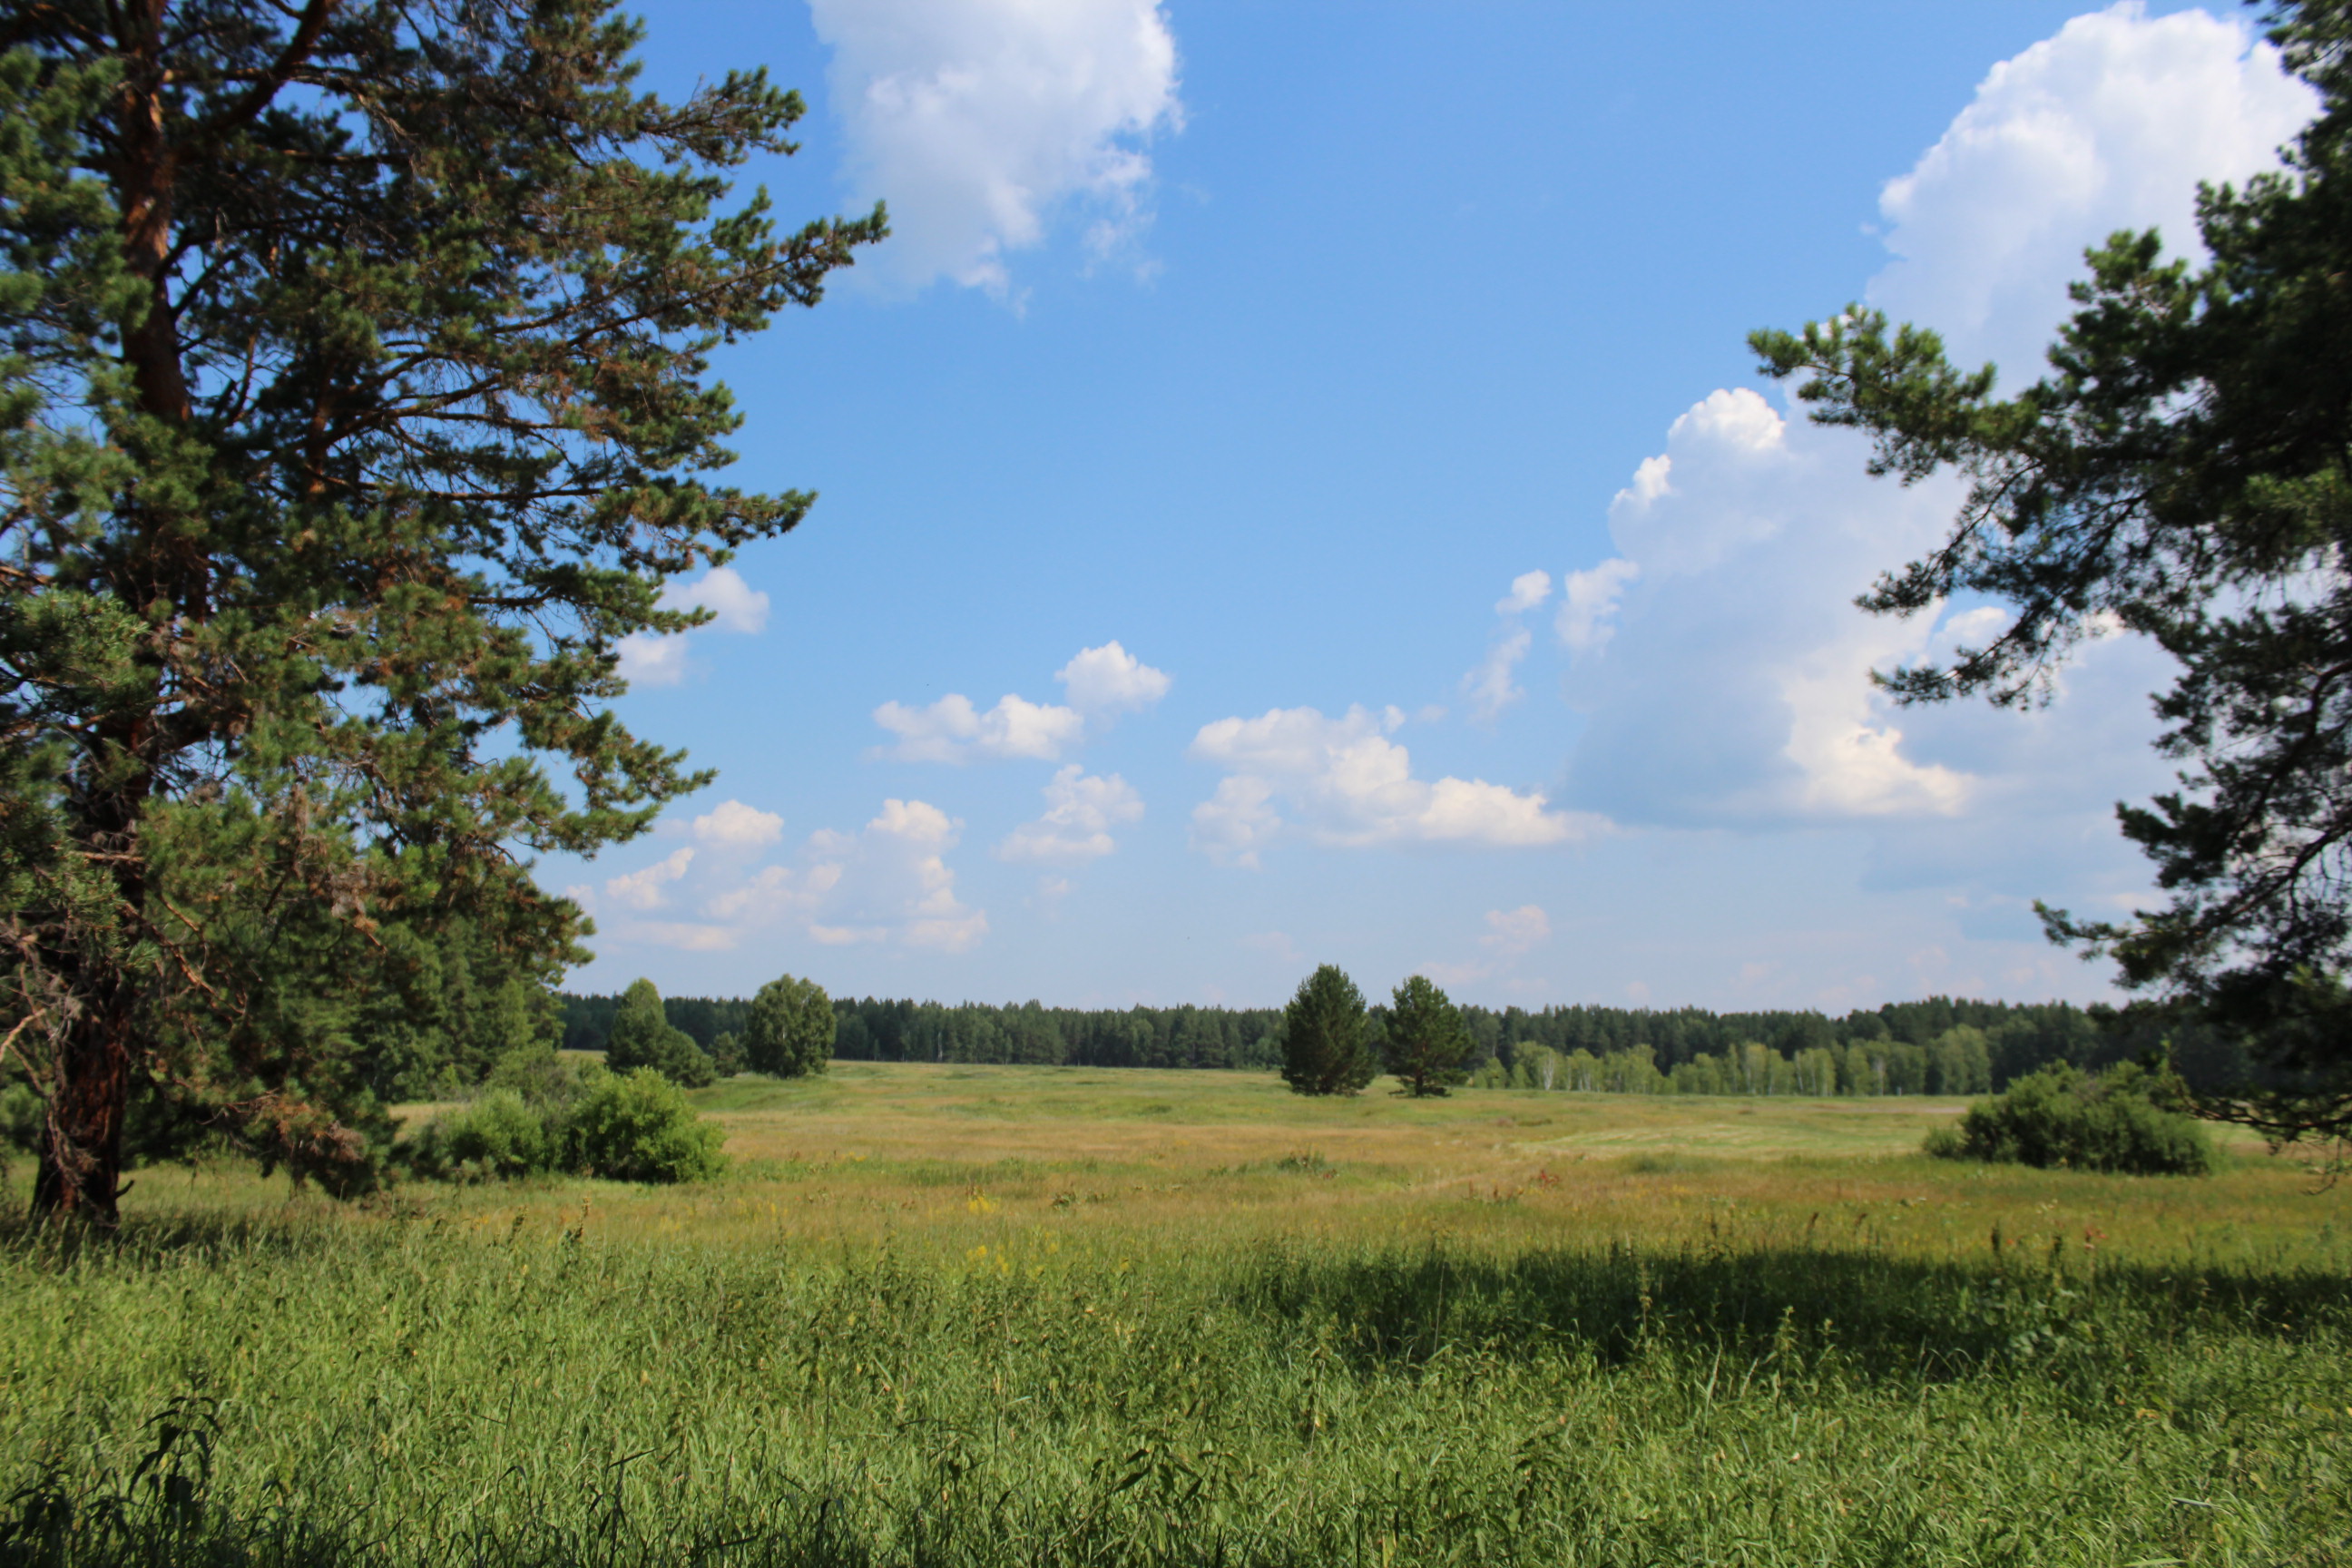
[(940, 1160)]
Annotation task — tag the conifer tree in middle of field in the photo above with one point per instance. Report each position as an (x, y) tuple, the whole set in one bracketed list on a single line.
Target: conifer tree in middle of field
[(1427, 1047), (1325, 1044), (643, 1037)]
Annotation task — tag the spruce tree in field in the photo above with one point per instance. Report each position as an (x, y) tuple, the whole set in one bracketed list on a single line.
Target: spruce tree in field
[(643, 1037), (1325, 1048), (2182, 470), (790, 1030), (1427, 1046), (353, 408)]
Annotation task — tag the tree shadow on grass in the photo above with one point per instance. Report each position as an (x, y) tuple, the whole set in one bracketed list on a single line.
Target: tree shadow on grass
[(1886, 1317)]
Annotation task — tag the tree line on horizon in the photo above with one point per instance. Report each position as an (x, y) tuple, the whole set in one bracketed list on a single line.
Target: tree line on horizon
[(1938, 1045)]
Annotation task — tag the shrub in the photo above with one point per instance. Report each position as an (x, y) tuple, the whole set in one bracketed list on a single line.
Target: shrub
[(538, 1113), (637, 1127), (500, 1134), (2129, 1120)]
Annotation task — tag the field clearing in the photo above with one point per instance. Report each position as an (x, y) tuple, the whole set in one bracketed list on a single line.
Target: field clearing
[(941, 1158), (949, 1315)]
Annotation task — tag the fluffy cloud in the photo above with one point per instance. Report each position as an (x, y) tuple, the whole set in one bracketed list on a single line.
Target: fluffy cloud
[(1588, 600), (981, 120), (1528, 589), (1080, 812), (1109, 679), (952, 731), (735, 825), (889, 882), (642, 890), (734, 605), (647, 660), (892, 882), (1489, 688), (1739, 689), (2107, 125), (1736, 691), (1347, 783), (1101, 683)]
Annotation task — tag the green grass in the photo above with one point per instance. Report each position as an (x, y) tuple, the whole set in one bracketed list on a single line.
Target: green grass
[(1318, 1352)]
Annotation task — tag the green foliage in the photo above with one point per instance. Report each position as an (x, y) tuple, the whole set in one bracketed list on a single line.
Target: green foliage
[(642, 1037), (539, 1115), (499, 1135), (1613, 1405), (2128, 1119), (1326, 1043), (2180, 470), (1425, 1044), (637, 1127), (726, 1054), (791, 1028), (355, 405)]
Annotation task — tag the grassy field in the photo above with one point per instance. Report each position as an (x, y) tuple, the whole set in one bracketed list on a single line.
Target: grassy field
[(1000, 1315)]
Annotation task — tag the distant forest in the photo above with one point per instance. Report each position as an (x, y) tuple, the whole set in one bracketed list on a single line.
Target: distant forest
[(1940, 1045)]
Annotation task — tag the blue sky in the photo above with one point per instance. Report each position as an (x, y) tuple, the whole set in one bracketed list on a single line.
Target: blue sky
[(1293, 489)]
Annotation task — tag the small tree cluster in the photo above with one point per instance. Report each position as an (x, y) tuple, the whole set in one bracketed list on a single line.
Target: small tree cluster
[(2128, 1119), (539, 1115), (1332, 1045)]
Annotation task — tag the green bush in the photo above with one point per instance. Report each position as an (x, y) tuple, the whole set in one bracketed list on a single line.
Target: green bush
[(2129, 1120), (539, 1114), (637, 1127), (499, 1135)]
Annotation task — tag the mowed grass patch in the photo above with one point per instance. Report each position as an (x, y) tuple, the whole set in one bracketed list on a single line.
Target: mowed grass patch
[(1254, 1329)]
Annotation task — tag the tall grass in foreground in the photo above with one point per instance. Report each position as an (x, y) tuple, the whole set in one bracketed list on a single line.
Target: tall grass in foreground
[(407, 1393)]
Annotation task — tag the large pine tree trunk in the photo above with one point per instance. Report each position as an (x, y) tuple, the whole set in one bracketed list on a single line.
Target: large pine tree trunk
[(81, 1154), (81, 1150)]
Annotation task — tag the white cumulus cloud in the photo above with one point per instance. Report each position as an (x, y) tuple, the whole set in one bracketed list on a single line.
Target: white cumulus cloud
[(889, 882), (952, 731), (732, 823), (1528, 589), (1101, 683), (2107, 125), (642, 890), (1080, 811), (1489, 688), (981, 121), (1105, 681), (1345, 783), (1737, 688), (1589, 599), (648, 660)]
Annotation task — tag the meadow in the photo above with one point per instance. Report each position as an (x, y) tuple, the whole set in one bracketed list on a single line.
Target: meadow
[(969, 1315)]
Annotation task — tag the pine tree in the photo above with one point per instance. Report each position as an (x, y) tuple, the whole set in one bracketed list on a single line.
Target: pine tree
[(353, 407), (1426, 1045), (1325, 1047), (643, 1037)]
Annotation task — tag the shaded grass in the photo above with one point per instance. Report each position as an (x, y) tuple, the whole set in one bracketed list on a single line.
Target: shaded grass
[(437, 1392)]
